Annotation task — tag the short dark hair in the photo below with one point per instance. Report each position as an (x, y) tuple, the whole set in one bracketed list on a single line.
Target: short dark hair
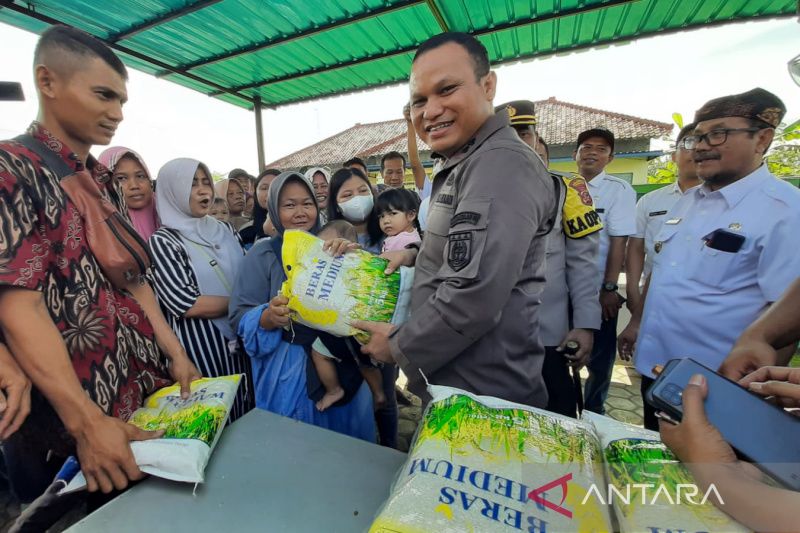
[(393, 155), (760, 124), (546, 148), (354, 161), (77, 42), (686, 130), (477, 52)]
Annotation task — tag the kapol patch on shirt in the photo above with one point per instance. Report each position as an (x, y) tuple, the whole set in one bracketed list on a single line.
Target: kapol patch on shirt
[(579, 217), (459, 249)]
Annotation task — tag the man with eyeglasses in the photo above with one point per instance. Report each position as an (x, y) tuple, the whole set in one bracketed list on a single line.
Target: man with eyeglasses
[(728, 248), (615, 202)]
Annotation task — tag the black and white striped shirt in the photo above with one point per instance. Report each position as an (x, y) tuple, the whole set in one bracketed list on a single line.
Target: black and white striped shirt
[(177, 289)]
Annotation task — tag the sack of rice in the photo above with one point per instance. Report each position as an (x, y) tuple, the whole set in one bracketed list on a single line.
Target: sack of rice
[(649, 488), (192, 427), (327, 293), (484, 464)]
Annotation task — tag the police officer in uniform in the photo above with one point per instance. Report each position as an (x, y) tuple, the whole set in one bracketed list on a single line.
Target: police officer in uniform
[(474, 320), (570, 274)]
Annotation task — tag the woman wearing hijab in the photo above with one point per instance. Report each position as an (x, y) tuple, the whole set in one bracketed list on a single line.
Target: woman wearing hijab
[(134, 179), (320, 179), (259, 314), (233, 193), (195, 262), (256, 229)]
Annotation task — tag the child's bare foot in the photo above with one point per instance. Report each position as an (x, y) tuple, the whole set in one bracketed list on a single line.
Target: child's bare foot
[(330, 398), (378, 399)]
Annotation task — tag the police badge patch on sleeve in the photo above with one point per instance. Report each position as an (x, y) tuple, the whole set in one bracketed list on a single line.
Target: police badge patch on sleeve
[(459, 249)]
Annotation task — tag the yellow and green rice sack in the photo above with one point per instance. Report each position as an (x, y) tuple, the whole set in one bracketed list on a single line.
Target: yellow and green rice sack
[(483, 464), (192, 427), (649, 489), (327, 293)]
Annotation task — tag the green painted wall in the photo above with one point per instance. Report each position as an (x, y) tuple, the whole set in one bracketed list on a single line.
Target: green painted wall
[(636, 167)]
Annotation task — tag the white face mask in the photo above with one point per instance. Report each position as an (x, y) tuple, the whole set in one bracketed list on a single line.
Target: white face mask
[(357, 208)]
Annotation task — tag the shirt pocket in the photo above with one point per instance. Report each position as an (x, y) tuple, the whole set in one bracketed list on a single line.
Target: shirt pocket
[(439, 220), (715, 268), (466, 240)]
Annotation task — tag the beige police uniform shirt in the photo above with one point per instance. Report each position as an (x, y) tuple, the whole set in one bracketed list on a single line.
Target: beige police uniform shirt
[(474, 319)]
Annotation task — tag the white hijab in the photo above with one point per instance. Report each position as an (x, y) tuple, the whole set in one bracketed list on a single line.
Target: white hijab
[(215, 238)]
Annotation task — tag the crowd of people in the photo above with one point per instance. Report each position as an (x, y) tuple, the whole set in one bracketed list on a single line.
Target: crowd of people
[(516, 270)]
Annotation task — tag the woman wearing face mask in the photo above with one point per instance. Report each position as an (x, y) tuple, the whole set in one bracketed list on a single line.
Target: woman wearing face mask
[(195, 262), (128, 168), (353, 199), (257, 228), (234, 194), (279, 356), (320, 179)]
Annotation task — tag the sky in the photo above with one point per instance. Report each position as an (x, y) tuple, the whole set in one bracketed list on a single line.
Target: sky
[(650, 78)]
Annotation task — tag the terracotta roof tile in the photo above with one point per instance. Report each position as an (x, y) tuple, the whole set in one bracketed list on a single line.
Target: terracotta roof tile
[(559, 124)]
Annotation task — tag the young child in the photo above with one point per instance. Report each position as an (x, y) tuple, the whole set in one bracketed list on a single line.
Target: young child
[(397, 214), (219, 210), (324, 361)]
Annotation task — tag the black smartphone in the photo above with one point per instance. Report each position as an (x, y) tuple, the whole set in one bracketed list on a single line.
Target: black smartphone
[(762, 433), (725, 241)]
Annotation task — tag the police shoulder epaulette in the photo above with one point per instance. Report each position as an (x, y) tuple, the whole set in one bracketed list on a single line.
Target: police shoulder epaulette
[(579, 217)]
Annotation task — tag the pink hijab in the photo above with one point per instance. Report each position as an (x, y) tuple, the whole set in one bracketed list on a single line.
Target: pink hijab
[(145, 220)]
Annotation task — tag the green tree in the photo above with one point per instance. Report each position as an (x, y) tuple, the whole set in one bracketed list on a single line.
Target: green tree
[(662, 169), (783, 159)]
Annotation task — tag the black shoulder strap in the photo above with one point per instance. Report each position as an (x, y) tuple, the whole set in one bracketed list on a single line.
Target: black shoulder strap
[(52, 160), (557, 184)]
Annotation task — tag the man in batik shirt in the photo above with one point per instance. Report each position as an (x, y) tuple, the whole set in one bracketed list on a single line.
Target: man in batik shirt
[(88, 347)]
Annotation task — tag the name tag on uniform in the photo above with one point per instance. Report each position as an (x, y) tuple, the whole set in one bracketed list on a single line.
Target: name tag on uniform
[(657, 213), (673, 221)]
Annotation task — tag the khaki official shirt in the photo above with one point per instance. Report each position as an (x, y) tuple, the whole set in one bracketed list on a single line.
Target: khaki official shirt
[(479, 273)]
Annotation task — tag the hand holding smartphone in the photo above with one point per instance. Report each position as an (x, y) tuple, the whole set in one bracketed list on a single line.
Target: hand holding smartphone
[(759, 431)]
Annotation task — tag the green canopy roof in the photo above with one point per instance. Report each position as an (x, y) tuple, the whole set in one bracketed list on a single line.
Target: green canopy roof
[(286, 51)]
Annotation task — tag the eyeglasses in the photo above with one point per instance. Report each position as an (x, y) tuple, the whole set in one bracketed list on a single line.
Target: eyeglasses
[(713, 137)]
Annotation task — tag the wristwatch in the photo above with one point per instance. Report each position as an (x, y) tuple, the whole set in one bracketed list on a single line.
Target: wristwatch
[(610, 287)]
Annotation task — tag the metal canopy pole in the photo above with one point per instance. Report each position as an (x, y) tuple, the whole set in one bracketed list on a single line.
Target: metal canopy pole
[(259, 134)]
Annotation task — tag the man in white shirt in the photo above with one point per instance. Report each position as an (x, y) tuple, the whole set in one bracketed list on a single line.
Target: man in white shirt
[(651, 212), (615, 202), (729, 247)]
